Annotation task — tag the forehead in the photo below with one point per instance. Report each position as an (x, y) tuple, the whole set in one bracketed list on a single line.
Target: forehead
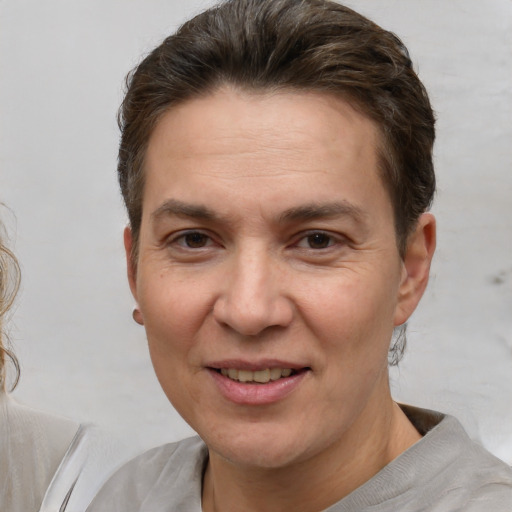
[(265, 120), (283, 144)]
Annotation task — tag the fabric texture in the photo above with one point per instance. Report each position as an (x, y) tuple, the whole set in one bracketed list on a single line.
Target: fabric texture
[(443, 472), (49, 463)]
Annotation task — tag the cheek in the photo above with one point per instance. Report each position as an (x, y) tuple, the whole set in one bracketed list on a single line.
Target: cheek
[(355, 301), (173, 310), (170, 296), (354, 326), (172, 316), (353, 321)]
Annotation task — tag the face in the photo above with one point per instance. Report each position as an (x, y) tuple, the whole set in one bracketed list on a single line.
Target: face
[(268, 276)]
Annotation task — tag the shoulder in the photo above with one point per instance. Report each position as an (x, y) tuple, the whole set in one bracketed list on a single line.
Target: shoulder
[(167, 474), (89, 460), (50, 462), (457, 472), (482, 479), (32, 446), (28, 425), (162, 459), (445, 471)]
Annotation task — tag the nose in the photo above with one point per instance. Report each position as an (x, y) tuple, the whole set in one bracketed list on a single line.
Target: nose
[(254, 295)]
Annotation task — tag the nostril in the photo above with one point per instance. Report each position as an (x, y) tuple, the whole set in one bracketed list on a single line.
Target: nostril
[(252, 317)]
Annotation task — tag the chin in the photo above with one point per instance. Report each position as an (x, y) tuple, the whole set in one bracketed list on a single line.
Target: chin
[(263, 448), (258, 457)]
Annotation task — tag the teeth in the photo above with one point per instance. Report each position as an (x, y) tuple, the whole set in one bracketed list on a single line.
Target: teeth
[(245, 375), (260, 376), (275, 373)]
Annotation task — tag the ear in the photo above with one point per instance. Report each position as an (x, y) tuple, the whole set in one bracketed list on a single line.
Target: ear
[(421, 245), (131, 264)]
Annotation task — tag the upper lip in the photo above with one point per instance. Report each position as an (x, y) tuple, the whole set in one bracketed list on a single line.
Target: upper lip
[(261, 364)]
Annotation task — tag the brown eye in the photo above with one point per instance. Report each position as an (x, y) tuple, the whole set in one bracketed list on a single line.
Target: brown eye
[(319, 240), (195, 240)]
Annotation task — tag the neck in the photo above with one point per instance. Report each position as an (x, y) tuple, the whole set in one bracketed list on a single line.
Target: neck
[(369, 444)]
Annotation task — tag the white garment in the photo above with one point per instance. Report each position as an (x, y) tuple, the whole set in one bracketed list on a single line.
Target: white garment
[(49, 463)]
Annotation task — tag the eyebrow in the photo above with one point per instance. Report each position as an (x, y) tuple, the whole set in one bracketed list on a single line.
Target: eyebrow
[(173, 207), (316, 211), (312, 211)]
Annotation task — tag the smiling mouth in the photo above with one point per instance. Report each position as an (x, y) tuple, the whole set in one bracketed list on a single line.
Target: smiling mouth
[(259, 376)]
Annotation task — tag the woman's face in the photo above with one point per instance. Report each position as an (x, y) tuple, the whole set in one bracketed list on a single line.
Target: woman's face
[(268, 276)]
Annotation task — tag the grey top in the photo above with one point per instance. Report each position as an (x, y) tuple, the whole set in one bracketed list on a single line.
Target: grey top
[(443, 472)]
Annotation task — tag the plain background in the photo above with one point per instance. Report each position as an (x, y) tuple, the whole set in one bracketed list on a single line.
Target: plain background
[(62, 65)]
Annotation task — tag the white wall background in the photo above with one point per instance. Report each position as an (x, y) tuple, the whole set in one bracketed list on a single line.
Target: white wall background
[(62, 64)]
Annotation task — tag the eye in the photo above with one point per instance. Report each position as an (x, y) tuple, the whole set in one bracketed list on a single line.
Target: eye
[(193, 240), (316, 240)]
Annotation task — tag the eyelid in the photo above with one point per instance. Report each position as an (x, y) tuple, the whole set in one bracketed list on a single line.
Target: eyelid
[(336, 238), (174, 238)]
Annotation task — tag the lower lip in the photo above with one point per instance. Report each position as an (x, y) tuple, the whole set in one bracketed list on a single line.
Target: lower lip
[(244, 393)]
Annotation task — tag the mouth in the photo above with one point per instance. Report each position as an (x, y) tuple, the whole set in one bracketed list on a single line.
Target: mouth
[(264, 383), (259, 376)]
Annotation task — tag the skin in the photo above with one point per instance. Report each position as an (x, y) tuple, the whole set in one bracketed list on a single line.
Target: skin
[(267, 237)]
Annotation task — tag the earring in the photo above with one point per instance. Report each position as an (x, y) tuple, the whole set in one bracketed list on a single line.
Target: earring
[(137, 315)]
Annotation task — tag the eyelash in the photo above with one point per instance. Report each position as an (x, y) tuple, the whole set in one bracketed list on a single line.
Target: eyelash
[(182, 236), (325, 236), (329, 239)]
